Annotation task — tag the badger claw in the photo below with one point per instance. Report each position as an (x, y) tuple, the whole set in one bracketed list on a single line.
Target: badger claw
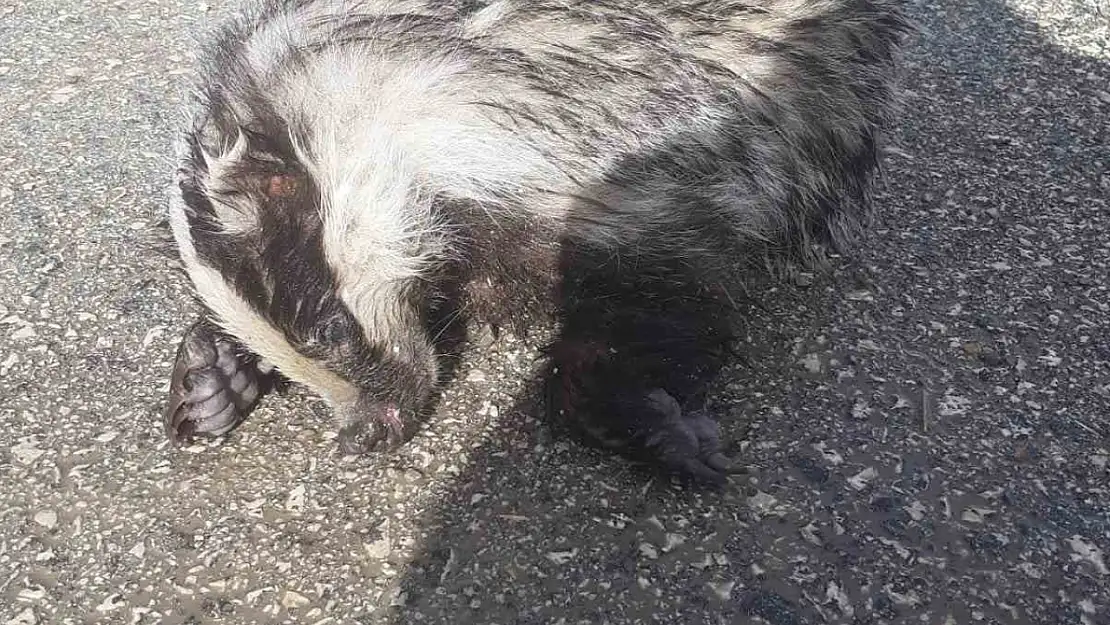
[(213, 387), (686, 443)]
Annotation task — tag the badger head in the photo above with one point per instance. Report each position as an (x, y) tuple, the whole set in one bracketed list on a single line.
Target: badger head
[(311, 258)]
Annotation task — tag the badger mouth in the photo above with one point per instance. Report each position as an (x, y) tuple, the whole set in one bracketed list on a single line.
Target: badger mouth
[(371, 426)]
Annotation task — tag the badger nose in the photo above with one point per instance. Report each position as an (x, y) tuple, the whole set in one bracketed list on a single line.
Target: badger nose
[(371, 426)]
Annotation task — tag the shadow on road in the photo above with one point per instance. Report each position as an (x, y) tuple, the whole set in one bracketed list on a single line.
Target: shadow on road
[(897, 468)]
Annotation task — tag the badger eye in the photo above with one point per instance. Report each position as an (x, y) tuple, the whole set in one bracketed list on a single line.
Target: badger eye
[(337, 330)]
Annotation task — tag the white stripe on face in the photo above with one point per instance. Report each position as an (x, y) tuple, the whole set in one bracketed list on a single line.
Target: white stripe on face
[(241, 320)]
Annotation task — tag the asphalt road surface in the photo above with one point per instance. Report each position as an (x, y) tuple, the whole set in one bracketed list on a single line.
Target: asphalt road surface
[(926, 429)]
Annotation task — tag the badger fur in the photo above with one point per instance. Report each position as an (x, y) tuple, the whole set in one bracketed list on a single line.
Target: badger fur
[(358, 176)]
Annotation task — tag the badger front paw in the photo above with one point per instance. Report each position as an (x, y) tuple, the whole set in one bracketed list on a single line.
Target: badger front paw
[(686, 443), (214, 385)]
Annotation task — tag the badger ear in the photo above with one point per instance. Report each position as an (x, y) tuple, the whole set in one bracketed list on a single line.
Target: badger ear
[(222, 167), (216, 176), (237, 170)]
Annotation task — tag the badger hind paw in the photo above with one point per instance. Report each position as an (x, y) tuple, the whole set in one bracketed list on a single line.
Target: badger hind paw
[(214, 387), (685, 443)]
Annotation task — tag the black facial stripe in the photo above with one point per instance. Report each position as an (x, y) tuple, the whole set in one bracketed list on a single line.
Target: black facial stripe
[(280, 268)]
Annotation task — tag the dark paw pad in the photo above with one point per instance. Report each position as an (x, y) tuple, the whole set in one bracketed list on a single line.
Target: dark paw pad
[(213, 388), (687, 443)]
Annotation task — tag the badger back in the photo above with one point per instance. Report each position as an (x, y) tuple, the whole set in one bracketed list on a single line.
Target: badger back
[(330, 142)]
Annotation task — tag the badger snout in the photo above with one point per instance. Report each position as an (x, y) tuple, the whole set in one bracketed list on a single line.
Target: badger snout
[(369, 425)]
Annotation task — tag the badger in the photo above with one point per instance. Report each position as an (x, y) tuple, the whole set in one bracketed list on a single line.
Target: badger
[(358, 179)]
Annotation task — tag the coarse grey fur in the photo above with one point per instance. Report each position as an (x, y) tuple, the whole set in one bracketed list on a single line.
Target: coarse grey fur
[(357, 175)]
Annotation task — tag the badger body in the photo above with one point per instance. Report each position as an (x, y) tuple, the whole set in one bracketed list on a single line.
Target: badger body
[(358, 177)]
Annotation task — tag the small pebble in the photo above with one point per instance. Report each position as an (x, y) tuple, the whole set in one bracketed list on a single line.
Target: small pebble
[(47, 519), (722, 590), (291, 600), (26, 617)]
